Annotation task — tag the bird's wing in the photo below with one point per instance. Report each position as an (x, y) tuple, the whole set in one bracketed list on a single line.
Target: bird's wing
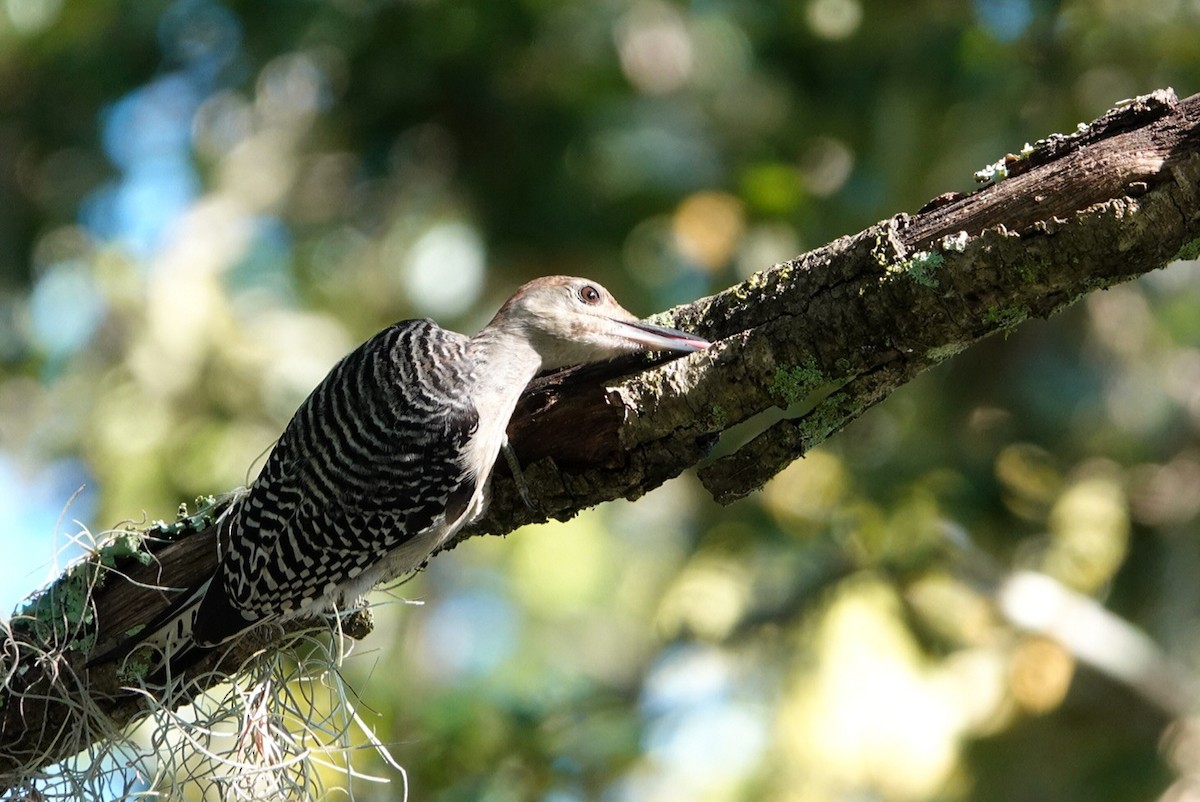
[(385, 430), (371, 458)]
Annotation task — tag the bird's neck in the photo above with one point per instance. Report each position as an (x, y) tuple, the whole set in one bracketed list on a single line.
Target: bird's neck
[(503, 363)]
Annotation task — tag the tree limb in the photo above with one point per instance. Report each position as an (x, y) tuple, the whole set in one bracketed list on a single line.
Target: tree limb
[(830, 333)]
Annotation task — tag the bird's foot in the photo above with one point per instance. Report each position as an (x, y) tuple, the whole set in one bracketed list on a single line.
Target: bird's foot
[(514, 466)]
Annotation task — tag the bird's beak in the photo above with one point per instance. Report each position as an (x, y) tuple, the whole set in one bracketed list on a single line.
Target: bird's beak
[(660, 338)]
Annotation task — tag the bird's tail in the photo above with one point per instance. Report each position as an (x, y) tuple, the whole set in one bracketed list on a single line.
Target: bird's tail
[(168, 636)]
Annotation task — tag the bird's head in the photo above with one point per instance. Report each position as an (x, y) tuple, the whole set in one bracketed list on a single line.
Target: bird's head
[(572, 321)]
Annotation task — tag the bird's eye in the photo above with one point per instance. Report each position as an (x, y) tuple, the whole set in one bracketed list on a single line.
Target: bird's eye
[(589, 294)]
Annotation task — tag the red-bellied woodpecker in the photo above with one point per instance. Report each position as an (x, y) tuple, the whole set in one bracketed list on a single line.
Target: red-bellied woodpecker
[(391, 455)]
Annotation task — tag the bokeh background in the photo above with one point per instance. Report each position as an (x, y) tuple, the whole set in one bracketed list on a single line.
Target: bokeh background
[(204, 204)]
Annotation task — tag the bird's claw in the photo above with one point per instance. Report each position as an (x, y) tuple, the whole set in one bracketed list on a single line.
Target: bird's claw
[(514, 466)]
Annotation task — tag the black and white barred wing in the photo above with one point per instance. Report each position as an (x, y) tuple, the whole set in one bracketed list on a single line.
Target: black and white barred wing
[(369, 463)]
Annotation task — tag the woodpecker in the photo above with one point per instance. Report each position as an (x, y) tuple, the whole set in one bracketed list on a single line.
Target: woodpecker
[(391, 455)]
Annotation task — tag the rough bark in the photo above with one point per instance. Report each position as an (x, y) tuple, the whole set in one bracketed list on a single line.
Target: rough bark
[(826, 335)]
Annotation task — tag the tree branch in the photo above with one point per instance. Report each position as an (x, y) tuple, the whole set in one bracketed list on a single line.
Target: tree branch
[(830, 333)]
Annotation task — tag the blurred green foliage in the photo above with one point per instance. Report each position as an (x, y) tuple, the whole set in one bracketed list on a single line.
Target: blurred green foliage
[(206, 204)]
